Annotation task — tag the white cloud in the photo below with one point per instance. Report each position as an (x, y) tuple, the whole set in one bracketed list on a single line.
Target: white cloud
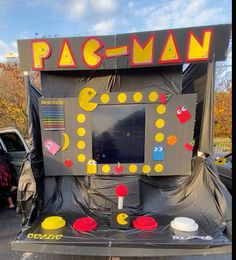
[(144, 11), (76, 8), (131, 4), (104, 26), (5, 48), (83, 8), (104, 5), (180, 14)]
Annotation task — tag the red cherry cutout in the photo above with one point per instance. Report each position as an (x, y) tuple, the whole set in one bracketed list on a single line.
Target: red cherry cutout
[(68, 163), (119, 169)]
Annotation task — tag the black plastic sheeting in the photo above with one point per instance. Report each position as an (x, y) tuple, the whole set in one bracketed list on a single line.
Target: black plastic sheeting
[(201, 196)]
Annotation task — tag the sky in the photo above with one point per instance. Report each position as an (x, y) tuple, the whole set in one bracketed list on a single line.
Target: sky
[(24, 19)]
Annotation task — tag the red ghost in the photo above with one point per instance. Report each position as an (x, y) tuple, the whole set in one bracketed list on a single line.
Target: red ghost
[(183, 114)]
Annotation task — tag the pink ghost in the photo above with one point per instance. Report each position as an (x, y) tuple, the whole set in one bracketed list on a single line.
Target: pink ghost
[(183, 114), (52, 147)]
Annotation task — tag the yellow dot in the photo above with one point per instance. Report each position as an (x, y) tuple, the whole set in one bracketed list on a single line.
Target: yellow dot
[(81, 144), (81, 118), (153, 96), (160, 123), (138, 97), (158, 167), (106, 168), (81, 131), (105, 98), (146, 169), (133, 168), (122, 97), (159, 137), (161, 109), (81, 157)]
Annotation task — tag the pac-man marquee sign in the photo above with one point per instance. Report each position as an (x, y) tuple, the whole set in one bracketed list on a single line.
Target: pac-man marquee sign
[(144, 49)]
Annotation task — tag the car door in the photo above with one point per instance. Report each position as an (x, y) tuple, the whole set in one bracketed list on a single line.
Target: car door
[(14, 144)]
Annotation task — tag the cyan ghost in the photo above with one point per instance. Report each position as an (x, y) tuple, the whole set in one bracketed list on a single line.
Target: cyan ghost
[(158, 153)]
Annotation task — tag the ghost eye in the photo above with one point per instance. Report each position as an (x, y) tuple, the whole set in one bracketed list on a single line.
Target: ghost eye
[(160, 149), (184, 108), (90, 162), (179, 111), (94, 162), (155, 149), (48, 145)]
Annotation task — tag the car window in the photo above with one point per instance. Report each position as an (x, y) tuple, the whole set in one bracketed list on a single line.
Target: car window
[(12, 142)]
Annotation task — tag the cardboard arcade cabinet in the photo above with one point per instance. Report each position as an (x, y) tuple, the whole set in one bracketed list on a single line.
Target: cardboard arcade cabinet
[(116, 133)]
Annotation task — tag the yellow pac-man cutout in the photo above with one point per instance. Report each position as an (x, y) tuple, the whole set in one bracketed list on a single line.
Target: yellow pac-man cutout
[(92, 167), (121, 218), (170, 52), (66, 141), (85, 97), (41, 50), (90, 49), (141, 54), (198, 49), (66, 58)]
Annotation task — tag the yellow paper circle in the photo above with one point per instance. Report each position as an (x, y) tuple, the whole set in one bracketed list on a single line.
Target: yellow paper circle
[(138, 97), (81, 144), (53, 222), (161, 109), (122, 97), (81, 118), (133, 168), (158, 167), (146, 169), (81, 131), (106, 168), (160, 123), (153, 96), (105, 98), (81, 157), (159, 137)]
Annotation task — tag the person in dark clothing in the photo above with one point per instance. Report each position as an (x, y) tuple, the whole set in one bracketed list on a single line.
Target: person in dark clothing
[(6, 187)]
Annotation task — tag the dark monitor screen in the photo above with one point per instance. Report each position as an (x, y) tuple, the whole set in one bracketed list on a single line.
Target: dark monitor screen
[(118, 134)]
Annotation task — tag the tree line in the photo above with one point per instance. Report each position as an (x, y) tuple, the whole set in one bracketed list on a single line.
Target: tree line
[(13, 101)]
